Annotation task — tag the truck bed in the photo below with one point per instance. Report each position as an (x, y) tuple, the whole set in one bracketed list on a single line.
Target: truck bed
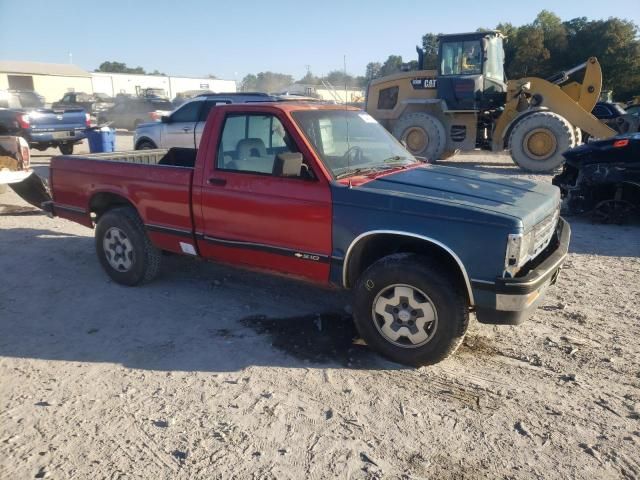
[(157, 182), (173, 157)]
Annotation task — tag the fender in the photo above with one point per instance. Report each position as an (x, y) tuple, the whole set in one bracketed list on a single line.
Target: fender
[(430, 240)]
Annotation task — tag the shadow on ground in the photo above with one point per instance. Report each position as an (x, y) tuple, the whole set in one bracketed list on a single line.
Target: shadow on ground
[(197, 316)]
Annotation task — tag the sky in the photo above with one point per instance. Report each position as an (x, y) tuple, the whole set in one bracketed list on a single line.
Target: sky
[(232, 38)]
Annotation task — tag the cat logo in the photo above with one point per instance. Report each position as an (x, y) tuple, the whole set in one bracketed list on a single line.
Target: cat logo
[(306, 256)]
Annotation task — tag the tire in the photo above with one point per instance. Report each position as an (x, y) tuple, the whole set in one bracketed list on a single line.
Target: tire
[(449, 153), (386, 281), (538, 141), (577, 134), (66, 148), (423, 135), (138, 260), (145, 145)]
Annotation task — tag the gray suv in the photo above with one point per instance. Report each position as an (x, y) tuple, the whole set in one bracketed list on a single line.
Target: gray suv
[(183, 128)]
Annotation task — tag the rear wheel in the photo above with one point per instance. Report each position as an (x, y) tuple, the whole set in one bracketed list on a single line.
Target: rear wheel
[(66, 148), (145, 145), (124, 250), (408, 311), (423, 135), (538, 141)]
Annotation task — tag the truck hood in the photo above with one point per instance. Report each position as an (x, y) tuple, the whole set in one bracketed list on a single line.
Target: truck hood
[(523, 199)]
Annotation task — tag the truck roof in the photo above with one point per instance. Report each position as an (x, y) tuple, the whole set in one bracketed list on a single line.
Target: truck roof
[(289, 106)]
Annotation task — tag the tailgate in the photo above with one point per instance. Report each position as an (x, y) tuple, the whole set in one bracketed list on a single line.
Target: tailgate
[(50, 120)]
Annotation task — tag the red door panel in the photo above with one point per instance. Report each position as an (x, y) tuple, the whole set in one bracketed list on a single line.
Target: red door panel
[(274, 223)]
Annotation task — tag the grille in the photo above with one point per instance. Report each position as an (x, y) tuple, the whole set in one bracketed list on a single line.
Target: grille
[(543, 232)]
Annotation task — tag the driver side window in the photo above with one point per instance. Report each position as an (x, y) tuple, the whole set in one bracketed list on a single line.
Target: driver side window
[(251, 143)]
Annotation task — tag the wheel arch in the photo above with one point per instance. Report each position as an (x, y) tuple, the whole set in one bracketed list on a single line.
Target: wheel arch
[(102, 202), (373, 245), (144, 139)]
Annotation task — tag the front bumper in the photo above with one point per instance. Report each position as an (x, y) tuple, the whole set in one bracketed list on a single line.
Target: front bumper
[(517, 298)]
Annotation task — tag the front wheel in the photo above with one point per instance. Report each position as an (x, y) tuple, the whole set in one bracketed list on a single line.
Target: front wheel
[(408, 311), (538, 141), (124, 250)]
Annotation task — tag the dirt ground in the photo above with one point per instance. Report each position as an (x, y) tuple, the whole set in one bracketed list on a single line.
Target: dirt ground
[(210, 372)]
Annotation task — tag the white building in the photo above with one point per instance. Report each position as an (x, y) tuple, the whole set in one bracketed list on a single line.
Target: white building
[(328, 92), (53, 80), (114, 83)]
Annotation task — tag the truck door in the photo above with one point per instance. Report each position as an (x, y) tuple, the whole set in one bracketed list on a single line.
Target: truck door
[(180, 130), (250, 216)]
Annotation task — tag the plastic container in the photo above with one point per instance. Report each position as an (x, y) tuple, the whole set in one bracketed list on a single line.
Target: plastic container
[(101, 140)]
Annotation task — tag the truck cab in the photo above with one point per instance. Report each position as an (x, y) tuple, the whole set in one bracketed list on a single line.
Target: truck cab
[(324, 193), (471, 70)]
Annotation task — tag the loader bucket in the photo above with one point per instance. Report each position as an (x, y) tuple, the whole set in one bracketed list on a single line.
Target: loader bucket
[(32, 190)]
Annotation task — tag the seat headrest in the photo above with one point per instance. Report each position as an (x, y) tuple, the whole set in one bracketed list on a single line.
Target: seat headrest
[(251, 147)]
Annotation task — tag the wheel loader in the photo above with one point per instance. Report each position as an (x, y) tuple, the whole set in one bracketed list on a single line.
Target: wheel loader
[(467, 103)]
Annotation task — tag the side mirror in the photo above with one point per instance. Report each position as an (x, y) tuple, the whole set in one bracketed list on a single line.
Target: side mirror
[(287, 165), (165, 119)]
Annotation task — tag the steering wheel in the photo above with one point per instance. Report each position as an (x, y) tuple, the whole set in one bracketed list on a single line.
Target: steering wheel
[(357, 152)]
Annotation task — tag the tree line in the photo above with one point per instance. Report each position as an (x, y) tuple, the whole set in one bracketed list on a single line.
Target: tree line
[(541, 48)]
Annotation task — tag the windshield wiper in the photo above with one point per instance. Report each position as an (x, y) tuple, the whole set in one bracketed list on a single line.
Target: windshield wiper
[(356, 171)]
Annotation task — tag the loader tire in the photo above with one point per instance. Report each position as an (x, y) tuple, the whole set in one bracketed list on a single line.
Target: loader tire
[(449, 153), (423, 134), (538, 141)]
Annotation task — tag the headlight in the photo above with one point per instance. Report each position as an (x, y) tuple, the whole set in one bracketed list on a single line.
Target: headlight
[(518, 247)]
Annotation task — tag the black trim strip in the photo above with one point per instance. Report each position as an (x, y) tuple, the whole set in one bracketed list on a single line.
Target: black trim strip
[(69, 208), (170, 230), (313, 257)]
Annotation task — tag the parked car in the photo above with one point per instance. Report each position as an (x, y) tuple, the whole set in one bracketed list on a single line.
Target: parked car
[(324, 193), (182, 97), (183, 128), (22, 113), (92, 103), (613, 115), (129, 113)]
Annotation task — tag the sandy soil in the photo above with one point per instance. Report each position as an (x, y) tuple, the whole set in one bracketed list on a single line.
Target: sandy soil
[(211, 372)]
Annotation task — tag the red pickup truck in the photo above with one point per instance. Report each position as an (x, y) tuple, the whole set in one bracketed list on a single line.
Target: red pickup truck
[(326, 194)]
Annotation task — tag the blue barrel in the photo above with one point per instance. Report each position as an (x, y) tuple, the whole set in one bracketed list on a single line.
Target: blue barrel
[(102, 140)]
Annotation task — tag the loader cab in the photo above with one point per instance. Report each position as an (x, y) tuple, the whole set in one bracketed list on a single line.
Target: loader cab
[(471, 70)]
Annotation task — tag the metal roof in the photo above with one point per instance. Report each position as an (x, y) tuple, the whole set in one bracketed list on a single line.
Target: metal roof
[(39, 68)]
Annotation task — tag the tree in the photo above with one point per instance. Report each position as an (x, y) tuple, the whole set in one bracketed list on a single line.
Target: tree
[(373, 70), (430, 47), (309, 79), (266, 82), (392, 64), (338, 78), (530, 55), (119, 67), (555, 40)]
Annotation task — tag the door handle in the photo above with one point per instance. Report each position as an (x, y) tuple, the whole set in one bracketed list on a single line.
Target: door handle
[(186, 129), (217, 181)]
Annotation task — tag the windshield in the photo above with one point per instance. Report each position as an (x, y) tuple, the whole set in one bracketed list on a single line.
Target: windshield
[(461, 58), (351, 142)]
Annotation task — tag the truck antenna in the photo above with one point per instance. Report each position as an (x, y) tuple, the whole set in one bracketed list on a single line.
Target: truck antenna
[(346, 119)]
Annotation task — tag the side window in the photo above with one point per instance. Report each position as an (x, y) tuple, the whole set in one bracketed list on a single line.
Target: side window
[(388, 98), (206, 108), (187, 113), (250, 143), (66, 98)]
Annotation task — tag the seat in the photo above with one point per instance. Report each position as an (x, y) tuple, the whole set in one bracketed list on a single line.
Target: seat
[(251, 147)]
